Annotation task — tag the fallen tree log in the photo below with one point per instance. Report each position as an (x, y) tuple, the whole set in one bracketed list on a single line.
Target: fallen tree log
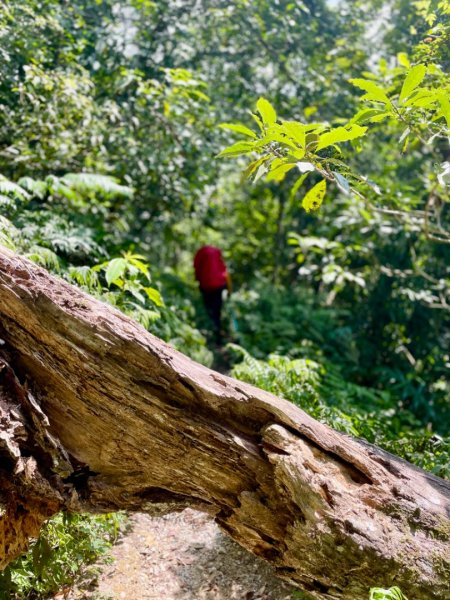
[(97, 415)]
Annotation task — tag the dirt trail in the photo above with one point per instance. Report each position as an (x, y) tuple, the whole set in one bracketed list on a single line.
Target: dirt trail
[(184, 557)]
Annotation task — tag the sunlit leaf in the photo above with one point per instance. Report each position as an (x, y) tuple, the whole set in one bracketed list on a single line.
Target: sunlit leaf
[(253, 166), (403, 60), (314, 198), (137, 261), (238, 128), (374, 92), (260, 172), (297, 185), (279, 173), (445, 107), (366, 114), (258, 121), (267, 111), (296, 131), (116, 268), (154, 296), (404, 135), (340, 134), (380, 117), (275, 134), (413, 80), (237, 149), (308, 111), (312, 139)]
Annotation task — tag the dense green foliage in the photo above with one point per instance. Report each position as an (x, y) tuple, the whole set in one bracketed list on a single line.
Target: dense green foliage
[(112, 116), (68, 543)]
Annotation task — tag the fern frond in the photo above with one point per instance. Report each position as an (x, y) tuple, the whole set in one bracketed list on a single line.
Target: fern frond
[(36, 187), (249, 363), (9, 188), (57, 186), (72, 243), (44, 257), (8, 233), (99, 184), (7, 202), (145, 316), (84, 277)]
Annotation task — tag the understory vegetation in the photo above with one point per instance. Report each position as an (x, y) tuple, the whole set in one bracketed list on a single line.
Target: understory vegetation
[(133, 132), (68, 544)]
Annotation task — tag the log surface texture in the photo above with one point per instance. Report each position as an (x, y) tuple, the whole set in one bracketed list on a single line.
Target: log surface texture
[(97, 414)]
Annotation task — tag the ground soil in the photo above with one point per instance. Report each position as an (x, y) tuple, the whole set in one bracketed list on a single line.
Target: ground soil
[(182, 557)]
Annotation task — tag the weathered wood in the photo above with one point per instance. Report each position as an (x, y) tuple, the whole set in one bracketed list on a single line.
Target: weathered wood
[(97, 414)]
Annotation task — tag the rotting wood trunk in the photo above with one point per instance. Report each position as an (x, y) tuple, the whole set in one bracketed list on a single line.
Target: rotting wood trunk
[(97, 414)]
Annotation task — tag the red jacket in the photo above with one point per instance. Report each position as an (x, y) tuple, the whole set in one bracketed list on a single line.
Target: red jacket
[(210, 270)]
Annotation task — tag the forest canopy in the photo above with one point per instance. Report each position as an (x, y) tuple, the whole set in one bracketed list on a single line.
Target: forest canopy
[(309, 140)]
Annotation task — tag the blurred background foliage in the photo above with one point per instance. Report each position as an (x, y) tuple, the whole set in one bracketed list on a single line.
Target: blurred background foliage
[(110, 114)]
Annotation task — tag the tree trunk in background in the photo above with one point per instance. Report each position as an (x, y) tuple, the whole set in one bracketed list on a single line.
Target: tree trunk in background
[(99, 415), (279, 239)]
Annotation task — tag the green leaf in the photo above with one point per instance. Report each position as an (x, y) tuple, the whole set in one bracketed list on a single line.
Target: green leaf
[(253, 166), (298, 184), (342, 182), (296, 131), (135, 291), (238, 128), (279, 173), (445, 107), (421, 98), (298, 154), (374, 92), (309, 111), (314, 198), (154, 296), (413, 80), (260, 172), (267, 111), (115, 269), (275, 134), (137, 261), (237, 149), (380, 117), (258, 121), (312, 139), (404, 135), (366, 114), (340, 134), (403, 60)]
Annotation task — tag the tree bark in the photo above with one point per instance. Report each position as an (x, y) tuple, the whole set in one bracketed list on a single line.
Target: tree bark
[(97, 414)]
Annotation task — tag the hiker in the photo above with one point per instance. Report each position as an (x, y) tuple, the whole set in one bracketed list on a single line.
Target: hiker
[(213, 277)]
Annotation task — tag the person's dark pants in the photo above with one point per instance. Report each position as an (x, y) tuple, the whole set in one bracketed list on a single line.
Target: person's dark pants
[(213, 304)]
